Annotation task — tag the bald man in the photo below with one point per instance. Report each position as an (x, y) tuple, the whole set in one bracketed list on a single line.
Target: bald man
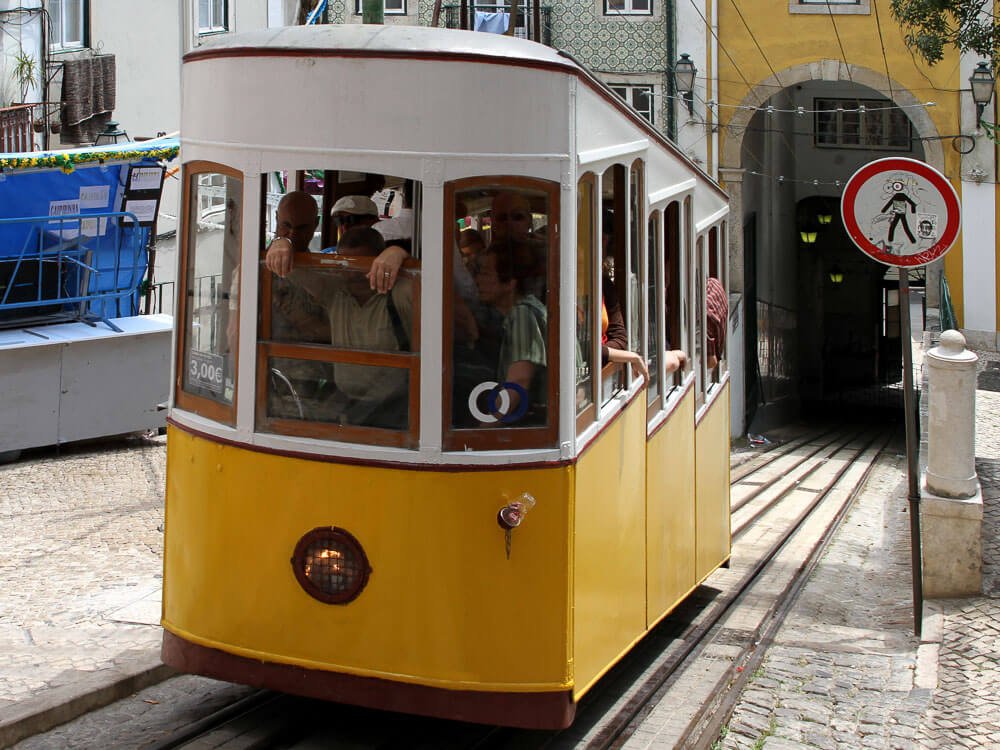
[(297, 221)]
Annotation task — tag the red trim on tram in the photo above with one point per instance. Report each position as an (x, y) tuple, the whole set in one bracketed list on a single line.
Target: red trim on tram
[(440, 468), (210, 54), (543, 710)]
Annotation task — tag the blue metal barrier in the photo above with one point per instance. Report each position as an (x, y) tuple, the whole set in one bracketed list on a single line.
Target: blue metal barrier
[(82, 267)]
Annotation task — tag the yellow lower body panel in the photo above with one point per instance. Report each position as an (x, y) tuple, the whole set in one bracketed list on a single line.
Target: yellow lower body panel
[(712, 477), (670, 512), (443, 607)]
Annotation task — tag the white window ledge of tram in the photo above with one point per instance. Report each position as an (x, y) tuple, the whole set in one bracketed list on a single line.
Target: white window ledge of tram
[(206, 426), (608, 411), (599, 159), (658, 199), (675, 394), (705, 224), (711, 396)]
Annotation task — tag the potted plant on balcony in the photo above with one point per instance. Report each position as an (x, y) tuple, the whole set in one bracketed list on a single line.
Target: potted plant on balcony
[(25, 72)]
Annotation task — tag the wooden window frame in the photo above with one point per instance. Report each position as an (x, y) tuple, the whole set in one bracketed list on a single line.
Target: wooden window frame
[(266, 348), (588, 415), (882, 109), (500, 438), (654, 253), (200, 405), (620, 252)]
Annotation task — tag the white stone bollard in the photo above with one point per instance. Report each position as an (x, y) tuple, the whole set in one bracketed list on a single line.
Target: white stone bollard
[(951, 503), (951, 418)]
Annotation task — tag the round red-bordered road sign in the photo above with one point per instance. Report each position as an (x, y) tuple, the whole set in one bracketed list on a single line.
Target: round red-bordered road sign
[(901, 212)]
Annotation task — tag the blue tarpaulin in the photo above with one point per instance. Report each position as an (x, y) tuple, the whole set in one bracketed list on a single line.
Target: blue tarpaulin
[(63, 206)]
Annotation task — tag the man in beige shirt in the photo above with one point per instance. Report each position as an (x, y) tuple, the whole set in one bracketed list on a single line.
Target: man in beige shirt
[(362, 319)]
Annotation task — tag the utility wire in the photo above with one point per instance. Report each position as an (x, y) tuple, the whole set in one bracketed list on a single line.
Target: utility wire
[(756, 43), (840, 42), (885, 60)]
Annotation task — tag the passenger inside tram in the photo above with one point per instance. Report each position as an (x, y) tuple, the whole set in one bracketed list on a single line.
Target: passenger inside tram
[(716, 319), (470, 244), (503, 271), (360, 318), (614, 335)]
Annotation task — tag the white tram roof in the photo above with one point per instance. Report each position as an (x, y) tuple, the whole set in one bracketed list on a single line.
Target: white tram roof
[(385, 40), (476, 97)]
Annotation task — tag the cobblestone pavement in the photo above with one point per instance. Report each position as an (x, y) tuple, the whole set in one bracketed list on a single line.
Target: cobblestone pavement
[(846, 670), (965, 711), (840, 673), (80, 588), (81, 581)]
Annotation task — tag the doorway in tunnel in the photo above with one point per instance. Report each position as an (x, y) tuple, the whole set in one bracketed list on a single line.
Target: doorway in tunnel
[(823, 336)]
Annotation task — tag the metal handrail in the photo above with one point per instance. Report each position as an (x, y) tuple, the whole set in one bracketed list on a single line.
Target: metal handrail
[(62, 271)]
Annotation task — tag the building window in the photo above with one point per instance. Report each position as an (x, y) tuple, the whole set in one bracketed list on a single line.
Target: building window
[(640, 97), (213, 16), (628, 7), (69, 24), (392, 7), (828, 7), (861, 123)]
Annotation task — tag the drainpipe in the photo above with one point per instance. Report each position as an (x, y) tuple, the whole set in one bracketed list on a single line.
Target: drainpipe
[(670, 29)]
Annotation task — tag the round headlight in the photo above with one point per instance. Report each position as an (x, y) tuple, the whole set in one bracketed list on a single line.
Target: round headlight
[(330, 565)]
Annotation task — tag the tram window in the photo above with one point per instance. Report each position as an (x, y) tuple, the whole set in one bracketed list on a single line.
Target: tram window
[(586, 242), (653, 325), (336, 358), (700, 278), (635, 224), (716, 307), (614, 265), (210, 309), (674, 295), (503, 326)]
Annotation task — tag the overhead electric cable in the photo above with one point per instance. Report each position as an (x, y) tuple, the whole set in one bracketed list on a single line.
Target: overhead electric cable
[(756, 43), (840, 42)]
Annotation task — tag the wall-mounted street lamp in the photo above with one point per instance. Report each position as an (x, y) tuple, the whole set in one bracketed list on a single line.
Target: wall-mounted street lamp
[(982, 81), (836, 275), (684, 75)]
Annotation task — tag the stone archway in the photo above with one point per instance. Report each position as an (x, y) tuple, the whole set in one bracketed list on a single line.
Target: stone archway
[(731, 167)]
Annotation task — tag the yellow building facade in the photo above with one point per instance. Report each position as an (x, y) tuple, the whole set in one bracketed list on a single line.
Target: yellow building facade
[(797, 96)]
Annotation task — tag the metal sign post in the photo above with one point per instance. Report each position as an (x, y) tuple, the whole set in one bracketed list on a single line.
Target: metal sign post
[(903, 213), (912, 451)]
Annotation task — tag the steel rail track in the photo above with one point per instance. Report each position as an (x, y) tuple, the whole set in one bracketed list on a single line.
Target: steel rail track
[(792, 482), (621, 727)]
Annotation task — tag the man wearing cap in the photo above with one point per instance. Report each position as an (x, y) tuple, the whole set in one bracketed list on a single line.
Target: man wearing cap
[(349, 212)]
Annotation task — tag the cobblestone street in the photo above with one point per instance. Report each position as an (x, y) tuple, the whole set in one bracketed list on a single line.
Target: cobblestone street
[(82, 581)]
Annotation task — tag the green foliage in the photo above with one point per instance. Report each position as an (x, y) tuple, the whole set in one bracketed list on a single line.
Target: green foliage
[(930, 26), (25, 72)]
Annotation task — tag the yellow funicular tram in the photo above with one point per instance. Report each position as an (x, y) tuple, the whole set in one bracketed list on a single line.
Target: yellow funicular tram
[(439, 500)]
